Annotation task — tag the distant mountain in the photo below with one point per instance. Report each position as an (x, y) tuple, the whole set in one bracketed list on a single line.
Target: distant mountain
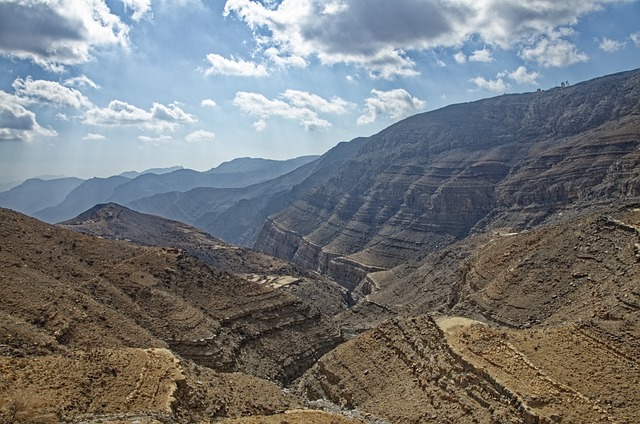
[(511, 161), (158, 171), (84, 196), (36, 194), (236, 214), (120, 189)]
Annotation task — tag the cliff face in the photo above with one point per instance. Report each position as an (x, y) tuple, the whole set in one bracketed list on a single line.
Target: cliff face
[(433, 178)]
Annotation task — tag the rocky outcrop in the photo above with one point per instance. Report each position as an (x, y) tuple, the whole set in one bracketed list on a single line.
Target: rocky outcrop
[(509, 161)]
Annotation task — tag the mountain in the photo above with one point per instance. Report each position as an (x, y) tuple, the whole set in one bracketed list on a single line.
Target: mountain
[(69, 298), (511, 161), (236, 214), (236, 173), (120, 189), (158, 171), (535, 326), (84, 196), (35, 194), (117, 222)]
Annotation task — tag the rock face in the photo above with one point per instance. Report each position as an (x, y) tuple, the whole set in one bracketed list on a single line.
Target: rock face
[(431, 179)]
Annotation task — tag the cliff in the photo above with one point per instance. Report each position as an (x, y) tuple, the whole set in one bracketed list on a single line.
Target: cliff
[(425, 182)]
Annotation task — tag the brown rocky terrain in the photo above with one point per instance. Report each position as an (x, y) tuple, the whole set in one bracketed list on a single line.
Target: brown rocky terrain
[(432, 179), (117, 222), (65, 294), (556, 334)]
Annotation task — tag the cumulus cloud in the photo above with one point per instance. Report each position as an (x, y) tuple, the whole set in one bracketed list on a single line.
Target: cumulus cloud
[(140, 8), (522, 76), (208, 103), (635, 38), (17, 123), (296, 105), (611, 46), (380, 35), (159, 118), (81, 81), (200, 136), (460, 57), (303, 99), (395, 104), (49, 92), (57, 33), (242, 68), (483, 55), (497, 85), (93, 136), (554, 52)]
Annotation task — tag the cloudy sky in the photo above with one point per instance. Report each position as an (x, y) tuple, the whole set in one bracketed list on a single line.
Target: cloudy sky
[(99, 87)]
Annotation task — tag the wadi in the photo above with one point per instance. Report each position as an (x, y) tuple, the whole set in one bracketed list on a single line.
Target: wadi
[(479, 263)]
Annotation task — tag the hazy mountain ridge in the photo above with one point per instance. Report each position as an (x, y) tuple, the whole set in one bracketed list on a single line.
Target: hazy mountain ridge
[(430, 179), (131, 186), (236, 214)]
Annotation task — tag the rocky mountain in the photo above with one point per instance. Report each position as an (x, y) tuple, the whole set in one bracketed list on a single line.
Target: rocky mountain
[(63, 292), (117, 222), (120, 188), (36, 194), (432, 179)]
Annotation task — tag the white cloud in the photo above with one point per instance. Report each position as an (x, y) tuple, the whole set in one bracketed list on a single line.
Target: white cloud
[(635, 37), (140, 8), (158, 118), (260, 125), (258, 105), (483, 55), (303, 99), (200, 136), (242, 68), (380, 35), (93, 136), (208, 103), (497, 85), (554, 53), (460, 58), (158, 139), (395, 104), (18, 123), (611, 46), (57, 33), (81, 81), (522, 76), (49, 92)]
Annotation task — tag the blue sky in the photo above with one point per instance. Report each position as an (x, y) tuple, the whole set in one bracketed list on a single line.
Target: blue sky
[(99, 87)]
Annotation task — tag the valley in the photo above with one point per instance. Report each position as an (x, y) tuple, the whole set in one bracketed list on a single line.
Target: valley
[(475, 264)]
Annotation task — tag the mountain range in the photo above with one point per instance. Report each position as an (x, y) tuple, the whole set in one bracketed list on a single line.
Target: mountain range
[(473, 264)]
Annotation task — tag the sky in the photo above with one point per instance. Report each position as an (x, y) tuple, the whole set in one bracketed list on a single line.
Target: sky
[(98, 87)]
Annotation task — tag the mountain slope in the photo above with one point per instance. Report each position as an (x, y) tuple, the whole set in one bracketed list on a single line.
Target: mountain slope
[(66, 290), (36, 194), (117, 222), (431, 179)]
